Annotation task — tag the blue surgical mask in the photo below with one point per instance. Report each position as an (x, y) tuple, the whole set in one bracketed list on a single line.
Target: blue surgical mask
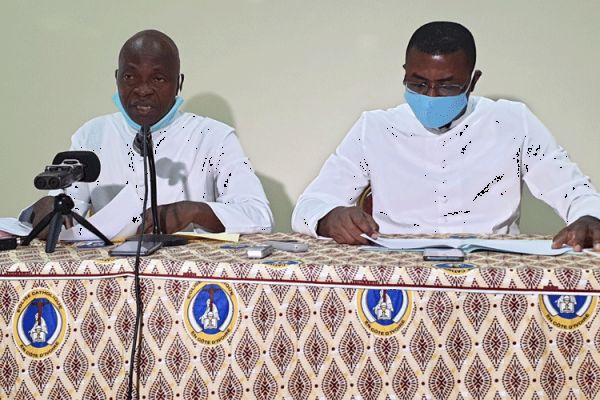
[(435, 112), (164, 121)]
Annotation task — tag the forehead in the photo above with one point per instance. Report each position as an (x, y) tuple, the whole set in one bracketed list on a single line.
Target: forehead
[(154, 55), (421, 63), (147, 61)]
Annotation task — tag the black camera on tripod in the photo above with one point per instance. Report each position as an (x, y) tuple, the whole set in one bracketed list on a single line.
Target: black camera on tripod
[(68, 167)]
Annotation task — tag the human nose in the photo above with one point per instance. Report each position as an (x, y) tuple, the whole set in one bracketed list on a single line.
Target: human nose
[(432, 91), (143, 89)]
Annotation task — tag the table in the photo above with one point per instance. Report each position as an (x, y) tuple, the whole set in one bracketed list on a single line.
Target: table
[(333, 323)]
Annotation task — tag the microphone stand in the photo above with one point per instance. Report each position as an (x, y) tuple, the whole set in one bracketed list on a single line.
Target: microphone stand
[(157, 233)]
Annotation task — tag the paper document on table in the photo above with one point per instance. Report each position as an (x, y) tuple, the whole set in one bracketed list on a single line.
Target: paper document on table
[(533, 247), (592, 252), (14, 227), (224, 237), (117, 220)]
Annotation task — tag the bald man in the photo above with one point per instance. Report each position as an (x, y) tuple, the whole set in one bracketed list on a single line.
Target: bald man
[(204, 180)]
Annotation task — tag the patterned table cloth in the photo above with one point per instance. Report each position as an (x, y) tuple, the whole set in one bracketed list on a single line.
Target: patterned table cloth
[(334, 323)]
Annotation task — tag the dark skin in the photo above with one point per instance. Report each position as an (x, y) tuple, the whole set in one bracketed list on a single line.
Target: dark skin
[(583, 233), (177, 216), (148, 81), (148, 77), (41, 208), (346, 224)]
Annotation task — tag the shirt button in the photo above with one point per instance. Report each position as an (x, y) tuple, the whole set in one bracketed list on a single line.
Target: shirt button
[(444, 199)]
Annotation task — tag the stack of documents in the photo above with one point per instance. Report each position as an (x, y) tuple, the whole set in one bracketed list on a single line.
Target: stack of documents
[(534, 247)]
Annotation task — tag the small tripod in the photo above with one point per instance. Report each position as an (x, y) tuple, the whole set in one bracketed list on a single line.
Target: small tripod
[(63, 206)]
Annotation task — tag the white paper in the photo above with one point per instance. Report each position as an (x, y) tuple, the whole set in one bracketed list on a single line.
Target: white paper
[(118, 220), (534, 247), (200, 234), (15, 227), (592, 252)]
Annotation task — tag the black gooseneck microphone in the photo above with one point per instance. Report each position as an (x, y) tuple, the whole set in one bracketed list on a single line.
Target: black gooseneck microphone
[(141, 139), (142, 144)]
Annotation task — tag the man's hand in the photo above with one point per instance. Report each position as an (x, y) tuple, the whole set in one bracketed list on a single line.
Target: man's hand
[(345, 225), (174, 217), (40, 209), (583, 233)]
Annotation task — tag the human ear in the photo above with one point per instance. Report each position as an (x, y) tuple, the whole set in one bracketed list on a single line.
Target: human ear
[(476, 75), (180, 83)]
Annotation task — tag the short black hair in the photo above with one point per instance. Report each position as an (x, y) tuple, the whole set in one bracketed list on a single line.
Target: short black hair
[(442, 37)]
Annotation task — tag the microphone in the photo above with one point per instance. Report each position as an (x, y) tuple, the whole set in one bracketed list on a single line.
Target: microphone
[(69, 167), (147, 152), (138, 141)]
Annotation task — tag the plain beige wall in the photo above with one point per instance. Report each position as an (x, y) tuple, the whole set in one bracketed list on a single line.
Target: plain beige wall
[(291, 76)]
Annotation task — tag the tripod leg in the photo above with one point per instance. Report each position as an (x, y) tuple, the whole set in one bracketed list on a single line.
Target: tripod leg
[(87, 225), (38, 228), (54, 232)]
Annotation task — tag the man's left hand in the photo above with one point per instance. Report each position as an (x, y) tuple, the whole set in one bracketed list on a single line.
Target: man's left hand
[(175, 217), (583, 233)]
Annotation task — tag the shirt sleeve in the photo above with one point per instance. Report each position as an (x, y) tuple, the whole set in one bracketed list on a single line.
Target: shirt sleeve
[(241, 204), (340, 182), (552, 177)]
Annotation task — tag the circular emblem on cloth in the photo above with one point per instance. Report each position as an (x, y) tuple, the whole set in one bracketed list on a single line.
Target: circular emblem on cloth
[(210, 312), (567, 311), (39, 323), (281, 264), (383, 311), (455, 268)]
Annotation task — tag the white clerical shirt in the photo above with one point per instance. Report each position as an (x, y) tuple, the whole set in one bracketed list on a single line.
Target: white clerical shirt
[(197, 159), (466, 179)]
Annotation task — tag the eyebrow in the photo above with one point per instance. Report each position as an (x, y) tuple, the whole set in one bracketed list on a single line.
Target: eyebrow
[(437, 80)]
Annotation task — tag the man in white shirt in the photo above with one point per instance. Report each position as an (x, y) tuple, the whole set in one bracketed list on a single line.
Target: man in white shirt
[(446, 162), (203, 177)]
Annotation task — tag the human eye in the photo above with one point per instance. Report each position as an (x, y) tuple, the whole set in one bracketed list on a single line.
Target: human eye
[(449, 86), (449, 89), (417, 86), (159, 79)]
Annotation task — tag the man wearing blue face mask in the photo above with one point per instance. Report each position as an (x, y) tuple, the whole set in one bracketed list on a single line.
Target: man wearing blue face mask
[(203, 177), (446, 162)]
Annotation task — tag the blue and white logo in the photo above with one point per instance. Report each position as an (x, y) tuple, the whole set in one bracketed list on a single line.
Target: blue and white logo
[(39, 323), (455, 268), (567, 311), (210, 312), (384, 311)]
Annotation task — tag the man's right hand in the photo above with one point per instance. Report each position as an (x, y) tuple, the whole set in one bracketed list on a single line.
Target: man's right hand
[(40, 209), (346, 224)]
